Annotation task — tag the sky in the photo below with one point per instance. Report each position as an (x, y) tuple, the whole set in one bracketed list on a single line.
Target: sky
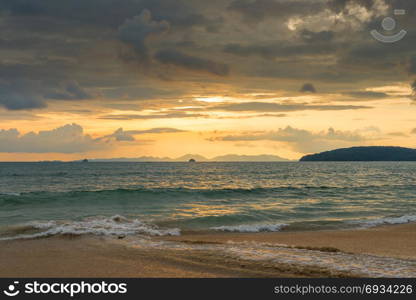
[(163, 78)]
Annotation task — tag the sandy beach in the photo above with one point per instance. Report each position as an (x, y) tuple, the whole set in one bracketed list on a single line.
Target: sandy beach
[(89, 256), (398, 241)]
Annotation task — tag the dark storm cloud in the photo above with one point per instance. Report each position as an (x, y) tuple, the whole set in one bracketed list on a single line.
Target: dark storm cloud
[(413, 87), (276, 50), (70, 50), (317, 37), (110, 13), (32, 94), (137, 30), (412, 65), (20, 94), (258, 10), (340, 5), (57, 36), (182, 60), (308, 88), (18, 101), (70, 91)]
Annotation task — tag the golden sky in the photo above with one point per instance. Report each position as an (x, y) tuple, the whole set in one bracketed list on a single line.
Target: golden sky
[(165, 78)]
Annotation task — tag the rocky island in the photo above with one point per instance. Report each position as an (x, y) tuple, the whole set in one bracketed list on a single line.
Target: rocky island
[(373, 153)]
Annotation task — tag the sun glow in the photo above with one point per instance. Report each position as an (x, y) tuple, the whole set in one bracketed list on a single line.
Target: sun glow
[(216, 99)]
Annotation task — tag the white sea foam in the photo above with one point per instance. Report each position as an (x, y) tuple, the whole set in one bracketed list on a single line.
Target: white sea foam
[(386, 221), (275, 254), (251, 228), (114, 226), (10, 194), (358, 264)]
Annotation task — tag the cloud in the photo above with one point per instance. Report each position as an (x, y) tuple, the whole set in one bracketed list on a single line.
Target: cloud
[(122, 135), (413, 87), (258, 10), (174, 115), (141, 93), (271, 51), (366, 95), (66, 139), (397, 134), (276, 107), (20, 95), (156, 131), (137, 30), (323, 36), (71, 91), (182, 60), (342, 5), (308, 88), (23, 94), (301, 140), (17, 101), (71, 50)]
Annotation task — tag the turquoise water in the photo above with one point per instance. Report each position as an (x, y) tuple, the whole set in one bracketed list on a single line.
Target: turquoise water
[(41, 199)]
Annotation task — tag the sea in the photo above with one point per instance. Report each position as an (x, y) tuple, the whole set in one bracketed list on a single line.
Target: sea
[(143, 200), (44, 199)]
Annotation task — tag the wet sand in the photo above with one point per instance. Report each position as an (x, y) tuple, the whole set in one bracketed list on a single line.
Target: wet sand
[(105, 257), (398, 241), (98, 257)]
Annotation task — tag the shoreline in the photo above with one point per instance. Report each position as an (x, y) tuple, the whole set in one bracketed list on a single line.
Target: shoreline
[(392, 240), (92, 256)]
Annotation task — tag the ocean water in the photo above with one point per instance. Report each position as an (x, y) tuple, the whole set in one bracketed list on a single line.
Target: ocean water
[(44, 199)]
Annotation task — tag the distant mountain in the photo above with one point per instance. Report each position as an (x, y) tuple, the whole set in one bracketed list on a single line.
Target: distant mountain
[(137, 159), (198, 158), (364, 154)]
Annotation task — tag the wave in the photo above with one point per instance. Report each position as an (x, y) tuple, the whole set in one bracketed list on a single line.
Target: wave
[(10, 194), (251, 228), (385, 221), (114, 226), (21, 198), (317, 225)]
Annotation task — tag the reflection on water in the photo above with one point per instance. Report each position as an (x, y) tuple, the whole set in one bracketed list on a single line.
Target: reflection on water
[(207, 195)]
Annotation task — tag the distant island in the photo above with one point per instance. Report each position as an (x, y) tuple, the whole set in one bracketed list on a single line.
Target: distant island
[(374, 153)]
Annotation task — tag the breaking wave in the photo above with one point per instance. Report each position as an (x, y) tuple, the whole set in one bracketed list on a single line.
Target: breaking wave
[(251, 228), (114, 226)]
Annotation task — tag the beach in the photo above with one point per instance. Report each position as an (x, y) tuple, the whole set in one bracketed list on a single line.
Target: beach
[(207, 220), (194, 255)]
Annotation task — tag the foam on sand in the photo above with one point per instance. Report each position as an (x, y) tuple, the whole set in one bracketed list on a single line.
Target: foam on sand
[(251, 228), (114, 226), (386, 221)]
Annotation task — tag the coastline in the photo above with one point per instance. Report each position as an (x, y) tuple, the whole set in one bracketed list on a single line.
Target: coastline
[(398, 241), (91, 256)]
